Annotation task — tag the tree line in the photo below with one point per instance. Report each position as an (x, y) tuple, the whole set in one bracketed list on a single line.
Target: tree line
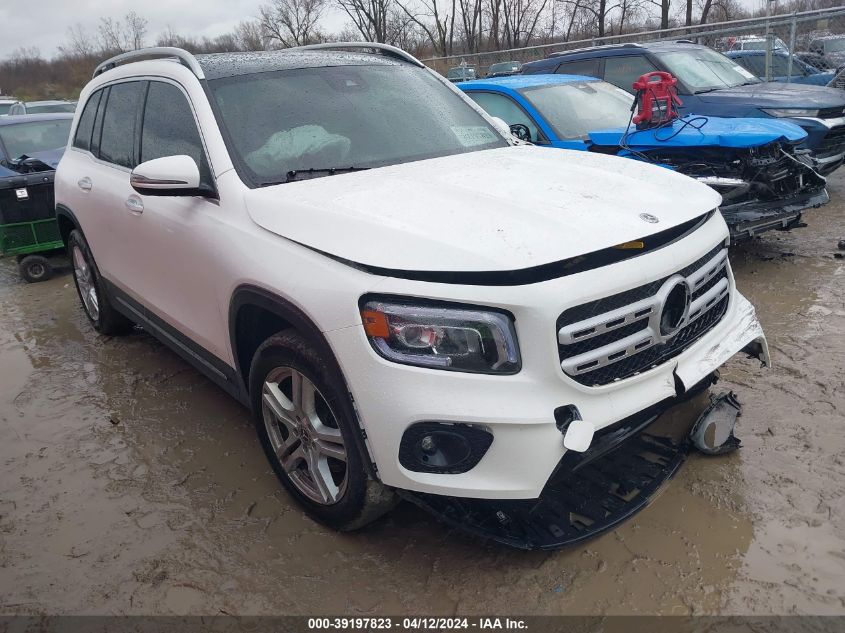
[(427, 28)]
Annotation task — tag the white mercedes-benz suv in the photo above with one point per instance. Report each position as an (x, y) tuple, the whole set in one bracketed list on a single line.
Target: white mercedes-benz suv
[(408, 299)]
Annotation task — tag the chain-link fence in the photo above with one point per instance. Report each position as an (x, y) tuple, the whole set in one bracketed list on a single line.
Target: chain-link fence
[(806, 47)]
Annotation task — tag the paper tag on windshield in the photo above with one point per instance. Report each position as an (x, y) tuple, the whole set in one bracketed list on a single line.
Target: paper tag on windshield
[(744, 72), (472, 135)]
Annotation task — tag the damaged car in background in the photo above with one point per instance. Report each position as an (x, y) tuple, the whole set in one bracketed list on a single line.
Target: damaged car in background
[(431, 310), (30, 150), (765, 181)]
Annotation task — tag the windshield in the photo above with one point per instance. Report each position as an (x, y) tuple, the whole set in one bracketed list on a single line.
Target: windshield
[(575, 109), (344, 116), (702, 69), (51, 108), (4, 108), (461, 73), (504, 67), (834, 46), (36, 136)]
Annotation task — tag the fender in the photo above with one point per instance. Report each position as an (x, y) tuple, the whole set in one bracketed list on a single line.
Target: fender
[(67, 222), (291, 316)]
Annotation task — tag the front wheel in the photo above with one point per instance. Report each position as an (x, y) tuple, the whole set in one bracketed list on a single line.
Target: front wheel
[(97, 306), (306, 423)]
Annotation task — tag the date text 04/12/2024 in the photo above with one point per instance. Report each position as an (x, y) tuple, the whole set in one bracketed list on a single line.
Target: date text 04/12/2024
[(416, 623)]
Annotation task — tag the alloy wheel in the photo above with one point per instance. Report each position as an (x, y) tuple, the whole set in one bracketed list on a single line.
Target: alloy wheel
[(304, 435), (85, 281)]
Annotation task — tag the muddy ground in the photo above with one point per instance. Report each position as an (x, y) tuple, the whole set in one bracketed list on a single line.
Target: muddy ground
[(130, 484)]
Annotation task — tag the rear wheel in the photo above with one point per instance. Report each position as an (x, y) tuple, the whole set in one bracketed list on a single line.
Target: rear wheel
[(97, 306), (35, 268), (306, 424)]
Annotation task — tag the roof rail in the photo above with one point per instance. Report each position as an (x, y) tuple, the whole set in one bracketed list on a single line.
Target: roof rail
[(385, 49), (590, 48), (166, 52)]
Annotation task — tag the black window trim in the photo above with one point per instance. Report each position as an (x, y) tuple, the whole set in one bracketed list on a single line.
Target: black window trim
[(212, 190), (98, 95), (599, 62), (103, 105)]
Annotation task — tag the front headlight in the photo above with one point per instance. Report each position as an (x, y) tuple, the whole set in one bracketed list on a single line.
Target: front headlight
[(450, 338), (792, 112)]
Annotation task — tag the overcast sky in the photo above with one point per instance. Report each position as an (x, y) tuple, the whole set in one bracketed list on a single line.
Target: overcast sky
[(44, 23)]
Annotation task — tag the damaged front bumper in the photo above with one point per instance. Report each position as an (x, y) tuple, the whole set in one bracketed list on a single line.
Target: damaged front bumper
[(748, 219), (619, 467), (589, 493)]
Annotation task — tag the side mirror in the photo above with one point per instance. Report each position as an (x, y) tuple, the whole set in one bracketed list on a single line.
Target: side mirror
[(168, 176)]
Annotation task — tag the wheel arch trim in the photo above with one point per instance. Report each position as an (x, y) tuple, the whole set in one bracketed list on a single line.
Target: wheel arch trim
[(255, 296)]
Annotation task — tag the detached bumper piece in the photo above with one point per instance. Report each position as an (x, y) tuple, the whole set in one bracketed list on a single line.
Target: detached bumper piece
[(589, 494), (747, 220)]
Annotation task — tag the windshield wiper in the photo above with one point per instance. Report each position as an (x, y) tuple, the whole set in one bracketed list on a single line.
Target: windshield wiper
[(317, 172)]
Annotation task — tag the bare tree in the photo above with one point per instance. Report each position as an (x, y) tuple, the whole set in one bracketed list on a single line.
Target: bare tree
[(110, 35), (471, 24), (370, 17), (122, 35), (291, 22), (79, 43), (250, 36), (135, 31), (664, 6), (521, 18), (437, 21)]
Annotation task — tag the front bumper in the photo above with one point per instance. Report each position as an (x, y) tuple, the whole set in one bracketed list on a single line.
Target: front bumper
[(519, 409), (747, 220)]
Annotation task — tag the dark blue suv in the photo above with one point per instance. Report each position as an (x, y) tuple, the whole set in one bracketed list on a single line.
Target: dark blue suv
[(711, 84)]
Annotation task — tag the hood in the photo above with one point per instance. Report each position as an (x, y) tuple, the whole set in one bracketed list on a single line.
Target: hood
[(710, 131), (496, 210), (49, 157), (776, 94)]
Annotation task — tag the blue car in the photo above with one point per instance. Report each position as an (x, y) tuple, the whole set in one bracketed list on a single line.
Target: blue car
[(751, 162), (802, 73), (714, 85)]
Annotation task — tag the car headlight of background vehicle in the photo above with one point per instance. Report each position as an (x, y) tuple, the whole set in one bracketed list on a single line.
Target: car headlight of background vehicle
[(446, 337), (792, 112)]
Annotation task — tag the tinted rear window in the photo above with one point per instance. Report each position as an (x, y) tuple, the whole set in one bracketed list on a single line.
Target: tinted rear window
[(82, 140), (118, 138)]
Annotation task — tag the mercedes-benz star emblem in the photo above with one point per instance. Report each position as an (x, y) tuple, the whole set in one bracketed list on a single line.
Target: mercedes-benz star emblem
[(648, 217), (675, 309)]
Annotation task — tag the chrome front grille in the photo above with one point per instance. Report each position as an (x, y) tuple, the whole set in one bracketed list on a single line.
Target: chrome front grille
[(624, 334)]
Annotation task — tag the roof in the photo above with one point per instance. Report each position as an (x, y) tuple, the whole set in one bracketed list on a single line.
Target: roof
[(611, 50), (220, 65), (753, 52), (517, 82), (34, 118), (45, 103)]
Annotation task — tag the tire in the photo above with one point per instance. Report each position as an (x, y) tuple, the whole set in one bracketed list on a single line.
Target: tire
[(89, 286), (35, 268), (307, 433)]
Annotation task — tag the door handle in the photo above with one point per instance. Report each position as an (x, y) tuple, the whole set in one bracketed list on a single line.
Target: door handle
[(85, 184), (135, 205)]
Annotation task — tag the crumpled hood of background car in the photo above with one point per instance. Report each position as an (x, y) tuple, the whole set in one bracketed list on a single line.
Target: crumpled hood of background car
[(503, 209), (695, 131)]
